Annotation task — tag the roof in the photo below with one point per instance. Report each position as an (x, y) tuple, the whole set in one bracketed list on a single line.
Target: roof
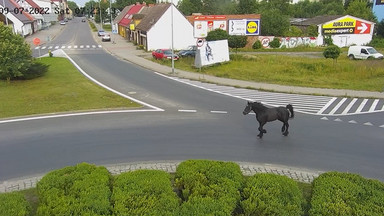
[(126, 20), (154, 13), (315, 20), (192, 18), (33, 4), (11, 5), (122, 14)]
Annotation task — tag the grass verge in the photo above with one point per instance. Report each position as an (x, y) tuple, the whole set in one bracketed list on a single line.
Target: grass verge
[(61, 89), (365, 75)]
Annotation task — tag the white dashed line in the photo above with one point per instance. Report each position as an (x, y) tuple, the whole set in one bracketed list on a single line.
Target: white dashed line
[(219, 112), (188, 111)]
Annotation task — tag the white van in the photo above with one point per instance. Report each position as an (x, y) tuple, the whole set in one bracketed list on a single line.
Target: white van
[(363, 52)]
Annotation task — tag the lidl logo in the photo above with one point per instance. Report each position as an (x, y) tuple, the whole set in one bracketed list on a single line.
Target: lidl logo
[(253, 27)]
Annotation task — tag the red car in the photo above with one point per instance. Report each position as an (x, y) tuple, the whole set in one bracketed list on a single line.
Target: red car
[(164, 54)]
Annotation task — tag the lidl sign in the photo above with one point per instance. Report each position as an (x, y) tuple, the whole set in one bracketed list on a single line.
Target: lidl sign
[(244, 27), (346, 25)]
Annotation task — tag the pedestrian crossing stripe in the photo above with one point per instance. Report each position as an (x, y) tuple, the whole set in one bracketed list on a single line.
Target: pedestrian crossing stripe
[(69, 47)]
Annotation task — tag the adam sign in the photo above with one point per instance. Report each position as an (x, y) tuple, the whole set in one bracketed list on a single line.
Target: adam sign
[(347, 25)]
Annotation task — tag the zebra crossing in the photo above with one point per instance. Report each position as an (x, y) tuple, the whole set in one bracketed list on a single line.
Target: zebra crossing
[(69, 47), (309, 104)]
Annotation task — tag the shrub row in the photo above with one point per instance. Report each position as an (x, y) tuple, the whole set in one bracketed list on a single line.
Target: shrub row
[(209, 187), (14, 204), (144, 192), (204, 187), (340, 194), (83, 189), (270, 194)]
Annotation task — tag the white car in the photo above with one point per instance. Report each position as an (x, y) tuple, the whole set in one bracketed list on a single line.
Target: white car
[(62, 22), (106, 37), (363, 52)]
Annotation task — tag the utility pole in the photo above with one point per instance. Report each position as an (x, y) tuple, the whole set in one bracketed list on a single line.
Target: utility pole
[(6, 13), (173, 61)]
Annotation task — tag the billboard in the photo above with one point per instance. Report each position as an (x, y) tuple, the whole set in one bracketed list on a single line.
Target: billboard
[(347, 25), (212, 52), (204, 24), (244, 27)]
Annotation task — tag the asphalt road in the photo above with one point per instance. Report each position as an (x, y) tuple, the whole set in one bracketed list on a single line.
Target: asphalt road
[(177, 133)]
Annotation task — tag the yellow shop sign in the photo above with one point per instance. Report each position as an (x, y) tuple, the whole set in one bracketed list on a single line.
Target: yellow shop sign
[(342, 23)]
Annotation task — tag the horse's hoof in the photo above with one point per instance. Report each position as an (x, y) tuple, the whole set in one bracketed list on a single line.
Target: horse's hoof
[(264, 131), (286, 133), (260, 136)]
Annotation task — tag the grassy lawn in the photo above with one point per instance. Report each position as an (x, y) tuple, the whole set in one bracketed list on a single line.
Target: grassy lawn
[(297, 71), (62, 89)]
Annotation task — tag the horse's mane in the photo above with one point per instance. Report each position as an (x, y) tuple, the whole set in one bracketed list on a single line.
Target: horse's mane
[(259, 106)]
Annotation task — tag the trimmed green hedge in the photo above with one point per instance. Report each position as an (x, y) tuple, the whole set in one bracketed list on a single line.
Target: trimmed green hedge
[(14, 204), (144, 192), (270, 194), (346, 194), (212, 186), (77, 190)]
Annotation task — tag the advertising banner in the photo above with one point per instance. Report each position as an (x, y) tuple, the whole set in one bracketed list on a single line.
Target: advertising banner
[(346, 25), (244, 27), (212, 52)]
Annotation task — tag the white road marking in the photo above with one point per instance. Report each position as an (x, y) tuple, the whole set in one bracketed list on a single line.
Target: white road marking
[(337, 106), (87, 46), (382, 126), (349, 106), (43, 47), (81, 46), (361, 105), (373, 106), (338, 120), (219, 112), (62, 47), (75, 46), (327, 105), (69, 47), (99, 46), (93, 46), (188, 111), (50, 47), (37, 47), (368, 123), (56, 47), (353, 122), (324, 118)]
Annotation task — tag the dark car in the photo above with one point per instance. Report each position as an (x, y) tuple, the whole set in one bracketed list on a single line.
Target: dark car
[(164, 54), (189, 52), (101, 33)]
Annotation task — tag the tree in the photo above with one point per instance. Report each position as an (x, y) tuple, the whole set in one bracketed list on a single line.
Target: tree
[(361, 9), (380, 29), (293, 31), (16, 55), (247, 6), (273, 23), (74, 8), (311, 31), (333, 52), (187, 7), (237, 41), (217, 34)]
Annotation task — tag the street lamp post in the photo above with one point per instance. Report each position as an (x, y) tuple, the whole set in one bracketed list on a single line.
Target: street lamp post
[(6, 14), (101, 19), (173, 61)]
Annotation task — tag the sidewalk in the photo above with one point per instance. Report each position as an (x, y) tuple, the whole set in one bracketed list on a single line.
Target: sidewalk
[(45, 35)]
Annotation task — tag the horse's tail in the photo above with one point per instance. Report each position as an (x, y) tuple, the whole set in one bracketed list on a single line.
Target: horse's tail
[(290, 108)]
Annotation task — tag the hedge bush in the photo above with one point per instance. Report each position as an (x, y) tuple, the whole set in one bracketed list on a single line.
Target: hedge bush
[(218, 183), (346, 194), (144, 192), (14, 204), (270, 194), (77, 190)]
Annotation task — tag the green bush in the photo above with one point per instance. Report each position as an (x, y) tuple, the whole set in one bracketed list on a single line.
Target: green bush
[(270, 194), (77, 190), (220, 181), (275, 43), (340, 194), (217, 34), (37, 69), (237, 41), (377, 42), (257, 45), (332, 51), (144, 192), (14, 204)]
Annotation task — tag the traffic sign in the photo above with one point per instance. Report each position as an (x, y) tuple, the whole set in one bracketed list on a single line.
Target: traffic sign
[(200, 42), (36, 41)]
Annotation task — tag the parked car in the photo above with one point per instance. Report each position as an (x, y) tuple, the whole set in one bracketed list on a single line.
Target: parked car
[(83, 20), (100, 33), (363, 52), (62, 22), (190, 51), (106, 37), (164, 54)]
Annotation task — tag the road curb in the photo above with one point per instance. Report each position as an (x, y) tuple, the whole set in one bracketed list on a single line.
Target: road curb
[(247, 168)]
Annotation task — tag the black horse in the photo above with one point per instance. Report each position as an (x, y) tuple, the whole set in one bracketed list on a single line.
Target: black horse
[(265, 114)]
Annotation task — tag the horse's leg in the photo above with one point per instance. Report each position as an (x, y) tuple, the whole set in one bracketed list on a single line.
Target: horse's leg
[(262, 131), (283, 128), (286, 130)]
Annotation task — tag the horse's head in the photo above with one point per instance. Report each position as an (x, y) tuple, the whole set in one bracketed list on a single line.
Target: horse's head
[(247, 108)]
